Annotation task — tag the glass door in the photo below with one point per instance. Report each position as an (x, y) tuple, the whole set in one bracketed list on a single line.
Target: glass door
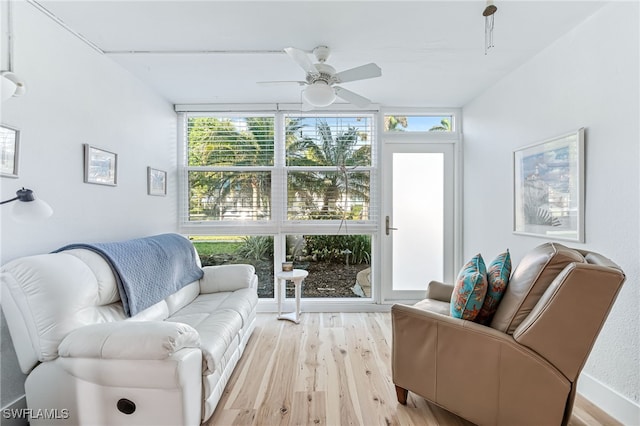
[(418, 220)]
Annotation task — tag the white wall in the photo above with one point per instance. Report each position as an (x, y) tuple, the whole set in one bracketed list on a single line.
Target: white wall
[(75, 96), (588, 78)]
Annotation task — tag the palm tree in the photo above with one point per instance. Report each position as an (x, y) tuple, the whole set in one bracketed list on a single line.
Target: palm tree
[(445, 126), (216, 142), (345, 183), (391, 123)]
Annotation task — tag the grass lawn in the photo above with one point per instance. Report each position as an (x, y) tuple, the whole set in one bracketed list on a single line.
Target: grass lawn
[(206, 248)]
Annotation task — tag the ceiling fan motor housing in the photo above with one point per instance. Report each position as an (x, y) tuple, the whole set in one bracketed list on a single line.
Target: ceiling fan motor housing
[(325, 74), (321, 53)]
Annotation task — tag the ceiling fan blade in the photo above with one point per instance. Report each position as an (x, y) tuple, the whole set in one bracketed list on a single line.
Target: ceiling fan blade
[(302, 59), (281, 83), (354, 98), (359, 73)]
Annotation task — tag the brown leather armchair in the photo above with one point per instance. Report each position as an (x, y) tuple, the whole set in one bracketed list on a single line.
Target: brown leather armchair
[(523, 368)]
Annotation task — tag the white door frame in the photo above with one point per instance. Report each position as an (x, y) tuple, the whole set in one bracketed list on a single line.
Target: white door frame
[(420, 143)]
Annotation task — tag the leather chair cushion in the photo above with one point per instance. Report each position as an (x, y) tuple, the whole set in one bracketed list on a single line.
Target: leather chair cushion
[(470, 289), (529, 281), (498, 274), (433, 305)]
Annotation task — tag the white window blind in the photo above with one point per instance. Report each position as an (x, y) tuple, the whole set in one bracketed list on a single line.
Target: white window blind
[(329, 167), (229, 167), (321, 168)]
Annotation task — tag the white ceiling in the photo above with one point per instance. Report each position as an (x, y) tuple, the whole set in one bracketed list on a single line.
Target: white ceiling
[(431, 52)]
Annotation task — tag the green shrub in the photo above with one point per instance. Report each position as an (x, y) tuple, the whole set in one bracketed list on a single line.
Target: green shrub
[(256, 247), (331, 248)]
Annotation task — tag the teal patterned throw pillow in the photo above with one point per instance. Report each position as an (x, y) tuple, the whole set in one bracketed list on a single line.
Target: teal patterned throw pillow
[(498, 275), (469, 290)]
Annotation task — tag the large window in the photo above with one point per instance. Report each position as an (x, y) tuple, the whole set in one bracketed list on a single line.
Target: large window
[(328, 163), (326, 169), (277, 178), (229, 163)]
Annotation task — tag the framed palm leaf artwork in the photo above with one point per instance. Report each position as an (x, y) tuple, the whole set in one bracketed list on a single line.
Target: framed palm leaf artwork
[(549, 188)]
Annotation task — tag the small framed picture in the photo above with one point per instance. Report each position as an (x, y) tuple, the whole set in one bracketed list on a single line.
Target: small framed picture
[(9, 147), (156, 182), (100, 166)]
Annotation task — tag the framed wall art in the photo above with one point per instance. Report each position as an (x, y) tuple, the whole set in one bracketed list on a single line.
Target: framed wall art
[(156, 182), (9, 148), (549, 188), (100, 166)]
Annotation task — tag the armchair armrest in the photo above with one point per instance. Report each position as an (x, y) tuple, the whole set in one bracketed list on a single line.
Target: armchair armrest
[(132, 340), (227, 278), (439, 291), (471, 369)]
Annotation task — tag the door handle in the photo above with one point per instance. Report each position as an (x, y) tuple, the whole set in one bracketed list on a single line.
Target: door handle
[(387, 227)]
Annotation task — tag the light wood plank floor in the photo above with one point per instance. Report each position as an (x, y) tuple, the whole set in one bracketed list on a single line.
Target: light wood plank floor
[(332, 369)]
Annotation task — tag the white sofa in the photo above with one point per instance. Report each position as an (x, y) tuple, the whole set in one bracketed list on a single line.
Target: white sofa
[(89, 364)]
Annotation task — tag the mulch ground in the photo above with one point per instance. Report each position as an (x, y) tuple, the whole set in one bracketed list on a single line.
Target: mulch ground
[(328, 279)]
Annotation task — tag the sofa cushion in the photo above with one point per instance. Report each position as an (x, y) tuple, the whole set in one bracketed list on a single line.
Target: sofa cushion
[(529, 281), (470, 289), (182, 297), (219, 319), (498, 274), (149, 269)]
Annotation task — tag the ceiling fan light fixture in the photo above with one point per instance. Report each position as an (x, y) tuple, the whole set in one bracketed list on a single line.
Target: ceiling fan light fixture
[(12, 85), (7, 89), (319, 94)]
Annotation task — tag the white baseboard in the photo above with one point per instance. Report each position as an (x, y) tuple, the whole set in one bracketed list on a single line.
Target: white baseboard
[(319, 305), (608, 400)]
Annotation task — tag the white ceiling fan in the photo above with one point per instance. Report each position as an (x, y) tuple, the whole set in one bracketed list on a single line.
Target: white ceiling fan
[(321, 78)]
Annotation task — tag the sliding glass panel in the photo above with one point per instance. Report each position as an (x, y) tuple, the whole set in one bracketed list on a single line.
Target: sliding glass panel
[(227, 250), (338, 265)]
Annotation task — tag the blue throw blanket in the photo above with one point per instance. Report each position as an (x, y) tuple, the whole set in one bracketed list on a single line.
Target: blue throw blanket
[(148, 269)]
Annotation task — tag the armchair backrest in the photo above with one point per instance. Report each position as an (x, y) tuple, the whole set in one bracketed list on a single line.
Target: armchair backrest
[(528, 282), (557, 301), (566, 321)]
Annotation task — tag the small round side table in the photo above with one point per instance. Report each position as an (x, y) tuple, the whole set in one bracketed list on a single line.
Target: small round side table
[(296, 276)]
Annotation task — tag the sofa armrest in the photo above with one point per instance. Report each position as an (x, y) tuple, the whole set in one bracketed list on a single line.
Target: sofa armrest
[(227, 278), (439, 291), (147, 340)]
